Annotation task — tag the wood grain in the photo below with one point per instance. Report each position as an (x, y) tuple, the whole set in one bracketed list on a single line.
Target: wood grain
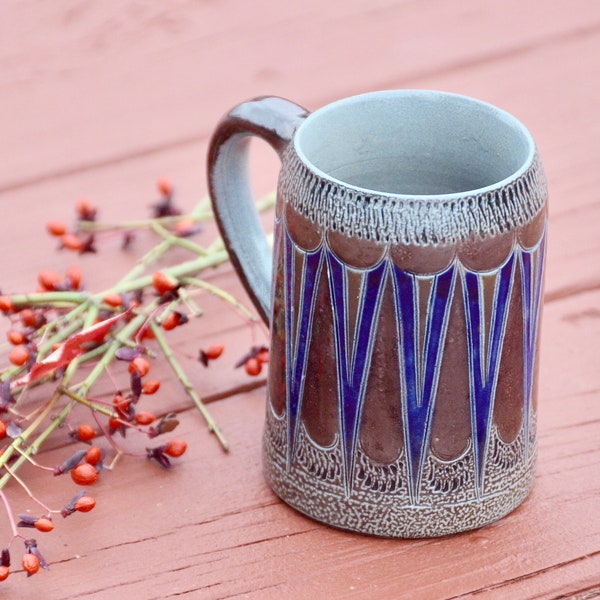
[(100, 99)]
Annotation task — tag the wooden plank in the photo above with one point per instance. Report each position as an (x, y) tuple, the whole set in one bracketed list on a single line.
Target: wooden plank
[(232, 539), (229, 536), (569, 364), (108, 99), (110, 82), (124, 190)]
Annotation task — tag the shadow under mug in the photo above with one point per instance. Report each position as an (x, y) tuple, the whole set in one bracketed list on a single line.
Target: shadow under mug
[(403, 294)]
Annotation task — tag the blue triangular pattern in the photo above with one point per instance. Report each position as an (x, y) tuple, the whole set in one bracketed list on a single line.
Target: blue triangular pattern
[(298, 330), (420, 366), (354, 359), (484, 374)]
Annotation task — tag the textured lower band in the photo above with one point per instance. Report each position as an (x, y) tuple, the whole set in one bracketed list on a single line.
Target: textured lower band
[(379, 501)]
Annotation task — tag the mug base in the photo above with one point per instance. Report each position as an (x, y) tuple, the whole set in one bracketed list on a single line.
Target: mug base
[(392, 515)]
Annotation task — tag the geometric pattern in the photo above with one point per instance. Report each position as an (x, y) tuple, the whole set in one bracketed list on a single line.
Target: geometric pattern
[(423, 308)]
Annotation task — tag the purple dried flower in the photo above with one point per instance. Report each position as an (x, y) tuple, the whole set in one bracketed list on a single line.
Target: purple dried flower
[(13, 430), (253, 353), (31, 547), (127, 240), (27, 521), (70, 463), (165, 207), (166, 424), (89, 245), (6, 396), (203, 358), (128, 354), (136, 385), (69, 509), (159, 456)]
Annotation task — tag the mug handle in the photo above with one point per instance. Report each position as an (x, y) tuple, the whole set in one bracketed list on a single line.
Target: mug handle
[(274, 120)]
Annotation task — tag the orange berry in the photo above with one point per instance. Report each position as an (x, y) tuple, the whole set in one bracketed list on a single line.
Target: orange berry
[(139, 364), (263, 356), (214, 351), (31, 564), (145, 418), (114, 423), (176, 448), (120, 402), (164, 186), (85, 209), (49, 280), (44, 524), (163, 283), (70, 241), (16, 337), (86, 432), (147, 334), (185, 227), (151, 386), (113, 299), (28, 317), (253, 367), (6, 304), (4, 572), (2, 430), (122, 407), (93, 456), (171, 321), (19, 355), (85, 504), (56, 228), (84, 474), (73, 276)]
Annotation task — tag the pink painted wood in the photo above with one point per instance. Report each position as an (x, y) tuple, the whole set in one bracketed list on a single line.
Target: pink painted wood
[(100, 99)]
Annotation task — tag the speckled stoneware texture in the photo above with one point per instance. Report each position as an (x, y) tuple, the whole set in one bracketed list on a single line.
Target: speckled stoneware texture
[(407, 283)]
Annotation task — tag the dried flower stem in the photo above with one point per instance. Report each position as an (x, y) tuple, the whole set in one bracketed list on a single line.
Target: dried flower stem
[(59, 327), (11, 519), (41, 438), (108, 354), (216, 291), (201, 213), (91, 405), (31, 460), (28, 491), (175, 240), (191, 267), (95, 227), (190, 391), (143, 263)]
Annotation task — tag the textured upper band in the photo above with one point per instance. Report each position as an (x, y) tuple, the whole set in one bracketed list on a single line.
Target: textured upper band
[(420, 221)]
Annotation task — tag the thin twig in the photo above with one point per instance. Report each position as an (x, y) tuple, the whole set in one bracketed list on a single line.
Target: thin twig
[(187, 386), (28, 491), (11, 519)]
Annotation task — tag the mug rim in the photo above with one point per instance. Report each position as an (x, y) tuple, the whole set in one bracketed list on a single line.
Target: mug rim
[(499, 114)]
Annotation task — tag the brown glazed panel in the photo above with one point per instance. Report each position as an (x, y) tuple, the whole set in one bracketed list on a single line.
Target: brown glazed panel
[(319, 405), (451, 423), (509, 400), (381, 429)]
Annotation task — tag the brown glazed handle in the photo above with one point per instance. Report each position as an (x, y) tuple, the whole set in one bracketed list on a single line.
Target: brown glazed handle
[(274, 120)]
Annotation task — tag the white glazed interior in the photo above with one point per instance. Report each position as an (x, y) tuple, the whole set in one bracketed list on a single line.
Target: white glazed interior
[(415, 143)]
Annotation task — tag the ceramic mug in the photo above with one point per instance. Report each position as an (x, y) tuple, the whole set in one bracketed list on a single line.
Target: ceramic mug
[(403, 295)]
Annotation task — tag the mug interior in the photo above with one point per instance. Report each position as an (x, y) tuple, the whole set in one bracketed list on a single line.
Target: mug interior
[(416, 143)]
